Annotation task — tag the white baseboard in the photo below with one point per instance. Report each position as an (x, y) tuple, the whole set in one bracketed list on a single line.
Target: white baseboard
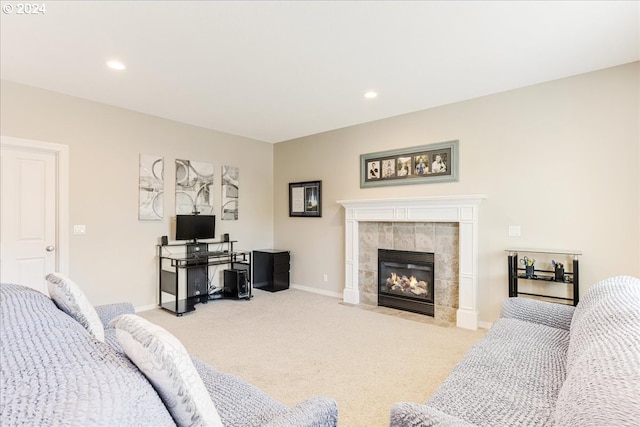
[(145, 308), (317, 291), (484, 325)]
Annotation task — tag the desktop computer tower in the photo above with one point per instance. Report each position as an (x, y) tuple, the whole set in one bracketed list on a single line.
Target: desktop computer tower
[(197, 274), (236, 284)]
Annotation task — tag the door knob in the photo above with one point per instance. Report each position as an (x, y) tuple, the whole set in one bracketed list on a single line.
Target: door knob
[(50, 248)]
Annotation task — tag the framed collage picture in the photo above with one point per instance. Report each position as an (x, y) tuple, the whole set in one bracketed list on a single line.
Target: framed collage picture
[(414, 165)]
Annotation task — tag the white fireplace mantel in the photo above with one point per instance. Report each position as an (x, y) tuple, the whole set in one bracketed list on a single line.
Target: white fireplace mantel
[(460, 209)]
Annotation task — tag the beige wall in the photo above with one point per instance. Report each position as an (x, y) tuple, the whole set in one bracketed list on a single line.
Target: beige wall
[(115, 260), (560, 159)]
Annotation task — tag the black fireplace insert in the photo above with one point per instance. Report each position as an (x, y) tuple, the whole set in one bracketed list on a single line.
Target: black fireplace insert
[(405, 280)]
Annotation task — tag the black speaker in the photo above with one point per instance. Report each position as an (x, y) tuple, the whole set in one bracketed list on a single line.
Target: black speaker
[(225, 237), (236, 284), (164, 240)]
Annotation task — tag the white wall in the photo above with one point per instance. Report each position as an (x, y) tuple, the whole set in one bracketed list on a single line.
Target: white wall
[(560, 159), (115, 260)]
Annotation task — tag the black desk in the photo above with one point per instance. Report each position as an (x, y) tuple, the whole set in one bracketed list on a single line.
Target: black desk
[(194, 259)]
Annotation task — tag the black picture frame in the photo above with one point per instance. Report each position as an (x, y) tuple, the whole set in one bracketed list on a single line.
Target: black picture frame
[(413, 165), (305, 199)]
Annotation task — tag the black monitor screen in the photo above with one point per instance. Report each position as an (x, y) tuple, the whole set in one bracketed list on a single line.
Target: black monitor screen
[(193, 227)]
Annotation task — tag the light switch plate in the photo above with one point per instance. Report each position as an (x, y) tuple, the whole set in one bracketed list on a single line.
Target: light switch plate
[(514, 231), (79, 229)]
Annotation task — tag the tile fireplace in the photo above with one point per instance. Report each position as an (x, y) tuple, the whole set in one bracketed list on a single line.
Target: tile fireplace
[(462, 210)]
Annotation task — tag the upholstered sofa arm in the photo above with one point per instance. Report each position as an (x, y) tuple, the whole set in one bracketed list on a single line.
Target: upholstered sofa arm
[(405, 414), (314, 412), (108, 312), (544, 313)]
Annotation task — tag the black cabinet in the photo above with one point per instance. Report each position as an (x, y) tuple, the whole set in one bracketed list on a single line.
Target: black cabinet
[(271, 269)]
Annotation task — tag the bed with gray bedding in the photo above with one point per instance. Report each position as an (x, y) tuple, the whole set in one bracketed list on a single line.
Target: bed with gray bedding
[(53, 372)]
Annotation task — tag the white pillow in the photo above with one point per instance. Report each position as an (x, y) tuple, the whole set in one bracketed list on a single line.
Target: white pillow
[(70, 299), (167, 365)]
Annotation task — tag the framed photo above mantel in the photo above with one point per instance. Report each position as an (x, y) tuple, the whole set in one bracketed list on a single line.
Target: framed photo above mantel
[(414, 165), (305, 199)]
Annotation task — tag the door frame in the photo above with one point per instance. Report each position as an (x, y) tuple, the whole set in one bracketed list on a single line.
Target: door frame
[(61, 153)]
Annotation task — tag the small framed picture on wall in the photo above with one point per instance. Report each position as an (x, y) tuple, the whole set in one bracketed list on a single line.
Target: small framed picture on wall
[(305, 199)]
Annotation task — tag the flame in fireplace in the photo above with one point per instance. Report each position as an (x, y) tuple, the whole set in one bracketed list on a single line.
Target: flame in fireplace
[(407, 284)]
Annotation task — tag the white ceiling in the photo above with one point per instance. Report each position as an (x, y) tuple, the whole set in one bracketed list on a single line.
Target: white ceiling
[(276, 70)]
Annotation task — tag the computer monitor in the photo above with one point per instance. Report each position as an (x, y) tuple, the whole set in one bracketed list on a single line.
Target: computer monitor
[(194, 227)]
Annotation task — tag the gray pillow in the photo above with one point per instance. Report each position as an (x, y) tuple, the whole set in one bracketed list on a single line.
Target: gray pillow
[(165, 362), (70, 299)]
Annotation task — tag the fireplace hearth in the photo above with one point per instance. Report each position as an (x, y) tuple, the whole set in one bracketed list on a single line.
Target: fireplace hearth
[(406, 280)]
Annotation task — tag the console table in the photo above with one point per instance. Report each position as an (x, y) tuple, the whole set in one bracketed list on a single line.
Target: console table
[(191, 261), (545, 273)]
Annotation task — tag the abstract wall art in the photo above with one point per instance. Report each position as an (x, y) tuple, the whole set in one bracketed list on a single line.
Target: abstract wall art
[(151, 188), (230, 190), (194, 184)]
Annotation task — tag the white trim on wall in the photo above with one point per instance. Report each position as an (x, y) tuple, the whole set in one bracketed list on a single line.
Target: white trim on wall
[(460, 209)]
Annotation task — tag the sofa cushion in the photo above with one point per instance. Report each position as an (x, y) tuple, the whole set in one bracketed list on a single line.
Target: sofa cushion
[(603, 365), (168, 366), (70, 299), (511, 377)]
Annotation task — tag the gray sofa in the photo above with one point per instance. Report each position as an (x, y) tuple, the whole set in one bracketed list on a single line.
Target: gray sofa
[(53, 372), (546, 364)]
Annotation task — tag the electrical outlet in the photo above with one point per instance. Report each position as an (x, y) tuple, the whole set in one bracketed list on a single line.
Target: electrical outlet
[(514, 231), (325, 278)]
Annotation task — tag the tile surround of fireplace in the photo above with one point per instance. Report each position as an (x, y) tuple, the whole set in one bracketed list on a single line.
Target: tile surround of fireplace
[(436, 237), (462, 210)]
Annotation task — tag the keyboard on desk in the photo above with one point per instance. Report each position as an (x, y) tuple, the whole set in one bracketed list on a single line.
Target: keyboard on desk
[(206, 254)]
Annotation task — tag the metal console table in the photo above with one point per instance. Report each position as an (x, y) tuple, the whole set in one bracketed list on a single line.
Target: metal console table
[(549, 260)]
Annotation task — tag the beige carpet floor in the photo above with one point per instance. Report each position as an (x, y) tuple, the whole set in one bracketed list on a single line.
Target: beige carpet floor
[(294, 345)]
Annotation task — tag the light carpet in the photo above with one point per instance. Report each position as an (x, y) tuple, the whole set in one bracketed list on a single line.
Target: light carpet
[(295, 345)]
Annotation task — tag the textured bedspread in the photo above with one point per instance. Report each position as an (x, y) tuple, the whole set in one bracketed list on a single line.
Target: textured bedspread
[(54, 373)]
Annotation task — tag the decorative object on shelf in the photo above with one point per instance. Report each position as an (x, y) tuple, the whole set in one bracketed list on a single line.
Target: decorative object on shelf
[(414, 165), (558, 268), (194, 182), (230, 190), (151, 188), (529, 267), (305, 199)]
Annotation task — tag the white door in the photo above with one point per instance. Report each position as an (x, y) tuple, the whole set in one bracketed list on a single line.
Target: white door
[(28, 215)]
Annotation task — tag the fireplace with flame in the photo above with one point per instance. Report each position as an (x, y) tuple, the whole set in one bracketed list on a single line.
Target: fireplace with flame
[(405, 280)]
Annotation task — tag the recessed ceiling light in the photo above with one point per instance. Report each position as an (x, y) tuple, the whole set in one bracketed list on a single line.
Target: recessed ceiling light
[(116, 65), (371, 94)]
